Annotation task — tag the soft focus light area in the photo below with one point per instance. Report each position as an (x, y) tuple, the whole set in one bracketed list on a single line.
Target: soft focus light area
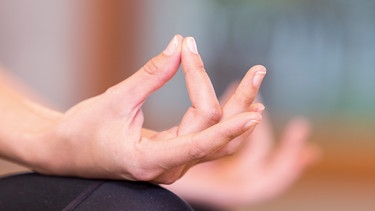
[(320, 57), (319, 54), (35, 45)]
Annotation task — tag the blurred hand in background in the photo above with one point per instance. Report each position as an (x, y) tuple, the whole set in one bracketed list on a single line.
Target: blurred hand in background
[(257, 172)]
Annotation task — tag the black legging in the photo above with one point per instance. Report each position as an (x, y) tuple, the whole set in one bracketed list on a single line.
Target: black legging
[(38, 192)]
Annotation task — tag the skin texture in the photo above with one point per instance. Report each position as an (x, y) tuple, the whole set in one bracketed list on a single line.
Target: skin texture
[(102, 137), (257, 172), (217, 155)]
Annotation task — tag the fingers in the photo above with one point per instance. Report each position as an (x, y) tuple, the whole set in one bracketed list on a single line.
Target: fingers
[(258, 146), (256, 107), (194, 147), (205, 110), (294, 137), (245, 93), (228, 92), (293, 142), (310, 155), (155, 73)]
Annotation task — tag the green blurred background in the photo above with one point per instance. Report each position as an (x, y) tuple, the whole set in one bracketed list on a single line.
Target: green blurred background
[(320, 57)]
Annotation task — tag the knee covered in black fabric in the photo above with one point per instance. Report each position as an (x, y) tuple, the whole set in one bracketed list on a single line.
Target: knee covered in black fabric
[(37, 192)]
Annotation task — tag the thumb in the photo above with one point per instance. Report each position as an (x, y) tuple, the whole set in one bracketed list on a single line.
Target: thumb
[(154, 74)]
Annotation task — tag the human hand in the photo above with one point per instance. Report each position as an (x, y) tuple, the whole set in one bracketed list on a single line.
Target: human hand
[(240, 100), (102, 137), (257, 172)]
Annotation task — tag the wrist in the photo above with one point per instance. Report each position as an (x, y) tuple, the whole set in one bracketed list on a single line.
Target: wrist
[(36, 141)]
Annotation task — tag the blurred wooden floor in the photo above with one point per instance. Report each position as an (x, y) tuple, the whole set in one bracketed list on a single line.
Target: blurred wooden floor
[(343, 180)]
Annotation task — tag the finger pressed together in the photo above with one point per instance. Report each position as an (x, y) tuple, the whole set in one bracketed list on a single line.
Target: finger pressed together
[(117, 145), (153, 75)]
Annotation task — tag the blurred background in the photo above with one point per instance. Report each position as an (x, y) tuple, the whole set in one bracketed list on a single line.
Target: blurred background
[(320, 57)]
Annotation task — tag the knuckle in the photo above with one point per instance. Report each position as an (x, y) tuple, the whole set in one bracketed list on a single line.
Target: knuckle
[(199, 66), (212, 113), (152, 67), (195, 66), (244, 97)]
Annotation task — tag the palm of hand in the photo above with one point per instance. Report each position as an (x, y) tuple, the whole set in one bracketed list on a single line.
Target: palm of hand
[(103, 137), (117, 140)]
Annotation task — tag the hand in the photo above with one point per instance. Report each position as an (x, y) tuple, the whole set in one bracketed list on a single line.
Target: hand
[(255, 173), (102, 137), (206, 110)]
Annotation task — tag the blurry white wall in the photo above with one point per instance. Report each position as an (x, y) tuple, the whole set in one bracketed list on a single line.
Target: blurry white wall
[(165, 19), (37, 45), (67, 50), (320, 56)]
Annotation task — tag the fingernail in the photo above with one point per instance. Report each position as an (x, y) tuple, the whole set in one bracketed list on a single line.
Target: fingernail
[(171, 46), (254, 120), (191, 44), (261, 109), (251, 123), (258, 78)]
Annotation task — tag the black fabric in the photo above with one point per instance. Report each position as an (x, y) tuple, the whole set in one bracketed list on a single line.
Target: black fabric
[(38, 192)]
